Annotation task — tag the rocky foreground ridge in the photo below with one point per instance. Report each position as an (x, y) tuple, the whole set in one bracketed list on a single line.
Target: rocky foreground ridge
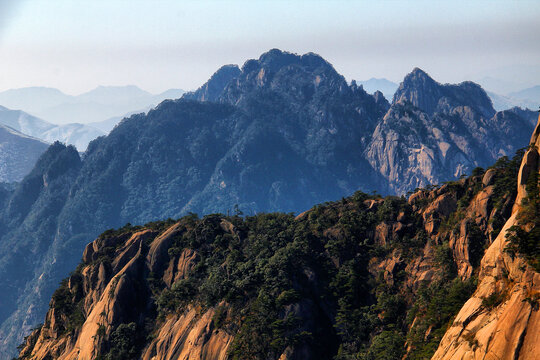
[(364, 277), (510, 327)]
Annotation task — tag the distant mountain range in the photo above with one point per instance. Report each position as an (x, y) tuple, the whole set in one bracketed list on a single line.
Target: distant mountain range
[(531, 94), (97, 105), (107, 125), (283, 132), (387, 87), (18, 154), (75, 134)]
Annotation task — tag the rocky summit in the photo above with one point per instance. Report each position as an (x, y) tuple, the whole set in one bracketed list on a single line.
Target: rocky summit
[(434, 132), (280, 133)]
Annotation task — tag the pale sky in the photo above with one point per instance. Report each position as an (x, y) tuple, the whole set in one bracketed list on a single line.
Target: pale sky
[(77, 45)]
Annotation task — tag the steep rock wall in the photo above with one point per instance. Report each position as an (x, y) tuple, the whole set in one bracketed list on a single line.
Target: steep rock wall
[(508, 328)]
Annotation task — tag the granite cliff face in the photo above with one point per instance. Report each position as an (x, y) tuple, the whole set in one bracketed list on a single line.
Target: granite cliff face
[(435, 132), (501, 320), (365, 277)]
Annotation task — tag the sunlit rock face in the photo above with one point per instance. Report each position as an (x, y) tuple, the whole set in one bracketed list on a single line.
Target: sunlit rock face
[(508, 326)]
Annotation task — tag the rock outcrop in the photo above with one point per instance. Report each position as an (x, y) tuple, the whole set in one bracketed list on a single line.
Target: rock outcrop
[(501, 320), (434, 132)]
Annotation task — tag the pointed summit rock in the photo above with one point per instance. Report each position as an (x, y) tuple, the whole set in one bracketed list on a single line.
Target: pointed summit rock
[(434, 132), (297, 79), (419, 89)]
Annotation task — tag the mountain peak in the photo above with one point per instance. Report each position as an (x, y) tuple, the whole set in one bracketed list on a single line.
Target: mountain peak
[(102, 92), (275, 59), (419, 89), (211, 90), (419, 78), (419, 72)]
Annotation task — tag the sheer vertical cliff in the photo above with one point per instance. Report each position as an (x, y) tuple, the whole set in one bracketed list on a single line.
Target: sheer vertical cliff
[(501, 320)]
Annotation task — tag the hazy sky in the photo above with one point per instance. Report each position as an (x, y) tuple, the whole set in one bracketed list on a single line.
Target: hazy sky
[(77, 45)]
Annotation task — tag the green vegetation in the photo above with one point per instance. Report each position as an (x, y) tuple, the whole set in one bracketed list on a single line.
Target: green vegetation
[(67, 303), (276, 273), (435, 309), (492, 300), (123, 343), (505, 187), (525, 236), (526, 243)]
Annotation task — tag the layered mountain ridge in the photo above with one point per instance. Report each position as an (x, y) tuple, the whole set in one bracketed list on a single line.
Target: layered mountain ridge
[(281, 133), (95, 105), (75, 134), (434, 132), (18, 154)]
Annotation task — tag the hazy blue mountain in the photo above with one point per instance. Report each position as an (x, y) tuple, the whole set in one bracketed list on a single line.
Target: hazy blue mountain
[(99, 104), (108, 94), (74, 134), (23, 122), (109, 124), (168, 94), (387, 87), (500, 86), (281, 133), (531, 94), (33, 99), (18, 154), (502, 102)]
